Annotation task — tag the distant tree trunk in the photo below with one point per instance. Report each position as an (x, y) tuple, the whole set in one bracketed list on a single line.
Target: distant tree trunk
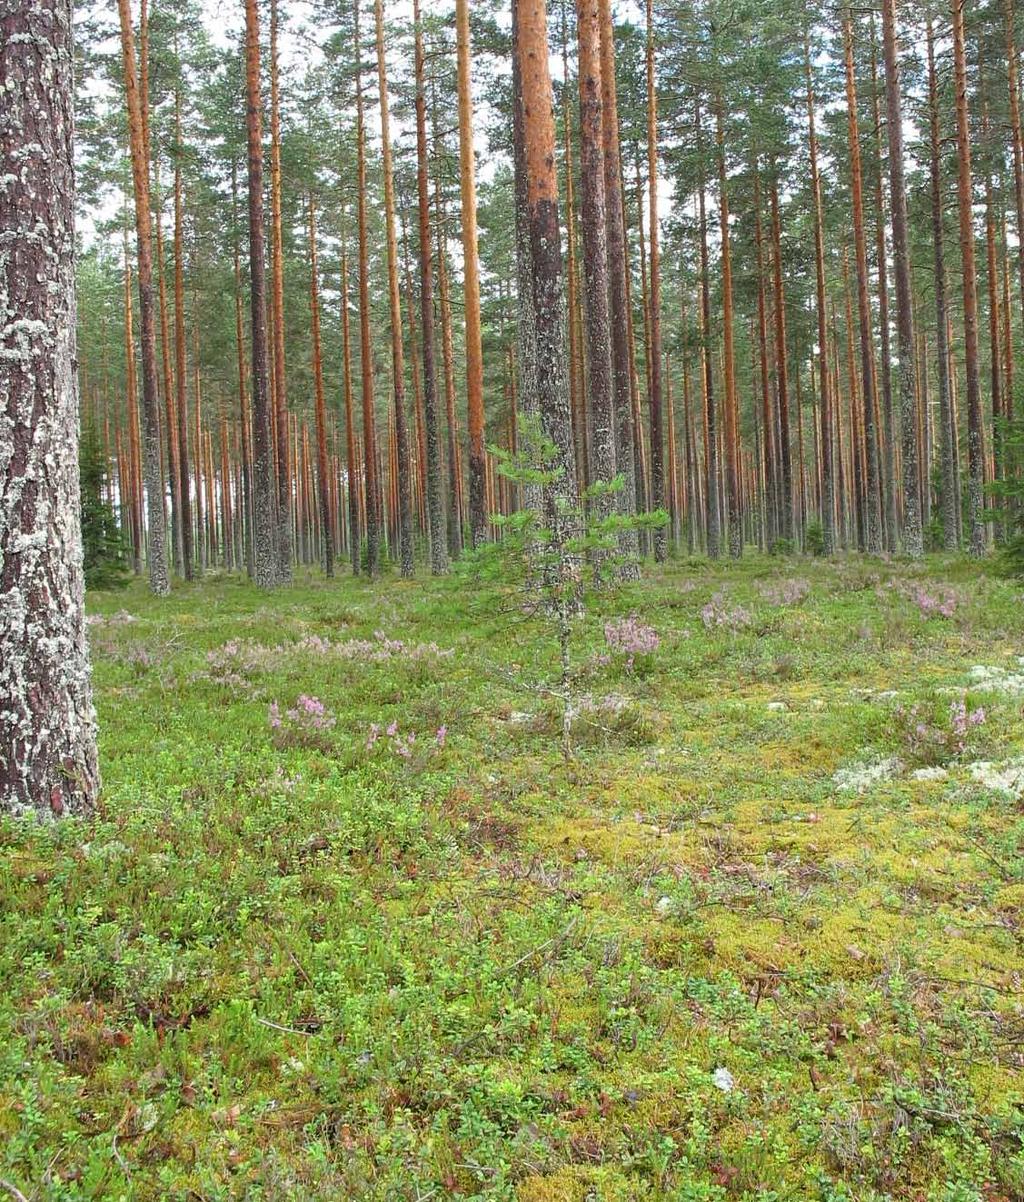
[(371, 488), (781, 367), (402, 453), (771, 500), (562, 503), (351, 464), (913, 536), (180, 365), (713, 519), (975, 429), (170, 398), (950, 483), (48, 760), (577, 375), (992, 279), (279, 417), (732, 438), (617, 294), (155, 516), (265, 557), (595, 253), (435, 483), (471, 284), (1017, 141), (526, 324), (828, 490), (320, 405), (886, 428), (456, 508), (873, 508), (655, 386), (245, 420)]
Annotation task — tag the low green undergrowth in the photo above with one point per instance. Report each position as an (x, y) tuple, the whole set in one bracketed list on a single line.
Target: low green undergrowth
[(347, 926)]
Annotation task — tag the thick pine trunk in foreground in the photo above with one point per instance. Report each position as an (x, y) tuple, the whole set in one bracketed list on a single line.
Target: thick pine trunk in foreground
[(546, 261), (47, 723), (155, 517), (265, 558)]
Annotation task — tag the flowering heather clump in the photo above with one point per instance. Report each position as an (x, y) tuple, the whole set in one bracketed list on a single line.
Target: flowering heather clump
[(632, 638), (237, 661), (722, 614), (935, 601), (380, 649), (785, 592), (400, 744), (929, 741), (308, 716)]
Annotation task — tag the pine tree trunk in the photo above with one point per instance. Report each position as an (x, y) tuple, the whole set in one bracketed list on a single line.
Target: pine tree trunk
[(873, 508), (886, 428), (781, 369), (320, 405), (431, 421), (265, 556), (1017, 141), (975, 428), (913, 537), (48, 762), (180, 365), (732, 439), (828, 490), (617, 295), (562, 500), (950, 484), (471, 284), (577, 375), (170, 399), (526, 325), (402, 454), (712, 520), (155, 516), (654, 383), (595, 254), (279, 417), (371, 487)]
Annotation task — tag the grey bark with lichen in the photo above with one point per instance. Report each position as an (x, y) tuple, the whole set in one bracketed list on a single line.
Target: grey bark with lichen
[(47, 722)]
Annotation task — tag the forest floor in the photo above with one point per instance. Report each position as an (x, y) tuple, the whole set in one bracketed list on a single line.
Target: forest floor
[(761, 938)]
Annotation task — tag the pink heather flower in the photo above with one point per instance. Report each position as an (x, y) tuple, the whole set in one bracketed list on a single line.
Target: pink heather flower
[(719, 612), (373, 736), (442, 736), (274, 716), (392, 730)]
